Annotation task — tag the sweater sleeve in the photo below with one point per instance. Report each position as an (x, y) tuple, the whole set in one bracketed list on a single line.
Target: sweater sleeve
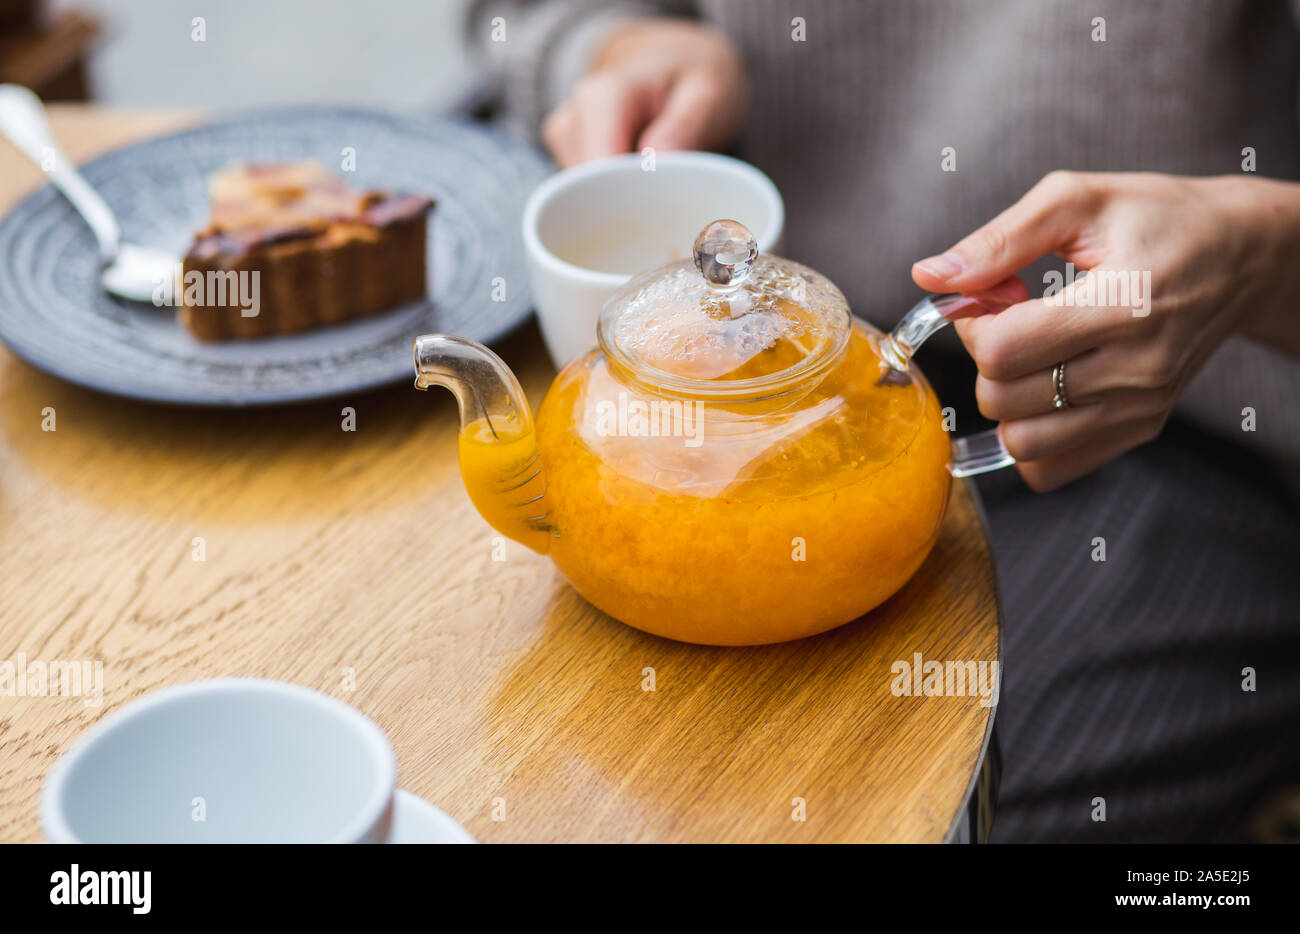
[(537, 51)]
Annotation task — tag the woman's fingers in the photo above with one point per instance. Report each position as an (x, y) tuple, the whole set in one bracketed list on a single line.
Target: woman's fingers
[(664, 83), (1116, 401), (1020, 398), (612, 110), (603, 117), (1040, 437), (1048, 473), (1000, 297), (1037, 334), (1032, 336), (1047, 219), (610, 113), (1043, 436), (1088, 377), (693, 116), (1138, 368), (557, 135)]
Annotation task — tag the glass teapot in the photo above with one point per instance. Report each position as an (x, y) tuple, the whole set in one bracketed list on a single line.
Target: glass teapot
[(740, 461)]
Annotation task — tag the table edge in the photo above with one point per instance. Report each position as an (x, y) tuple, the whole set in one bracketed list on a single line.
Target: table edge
[(987, 747)]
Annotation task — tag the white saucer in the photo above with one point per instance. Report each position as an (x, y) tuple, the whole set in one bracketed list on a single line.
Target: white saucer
[(417, 821)]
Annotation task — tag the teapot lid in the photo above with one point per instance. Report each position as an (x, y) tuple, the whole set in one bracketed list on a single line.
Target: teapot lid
[(729, 324)]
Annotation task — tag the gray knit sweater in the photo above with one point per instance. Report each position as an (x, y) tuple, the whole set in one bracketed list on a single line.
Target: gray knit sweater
[(851, 123)]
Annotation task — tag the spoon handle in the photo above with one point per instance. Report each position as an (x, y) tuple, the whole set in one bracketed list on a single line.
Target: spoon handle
[(22, 121)]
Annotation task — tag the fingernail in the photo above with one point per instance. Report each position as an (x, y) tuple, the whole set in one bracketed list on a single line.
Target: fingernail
[(943, 266)]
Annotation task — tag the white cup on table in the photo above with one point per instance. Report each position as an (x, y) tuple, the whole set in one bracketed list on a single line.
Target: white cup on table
[(231, 760), (589, 229)]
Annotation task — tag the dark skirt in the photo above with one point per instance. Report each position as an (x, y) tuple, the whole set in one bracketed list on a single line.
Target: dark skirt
[(1123, 679)]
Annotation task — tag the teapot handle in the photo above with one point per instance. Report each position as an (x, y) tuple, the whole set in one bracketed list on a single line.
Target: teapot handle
[(977, 453)]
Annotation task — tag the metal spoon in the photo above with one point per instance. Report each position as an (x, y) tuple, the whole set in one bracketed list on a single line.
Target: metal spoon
[(131, 271)]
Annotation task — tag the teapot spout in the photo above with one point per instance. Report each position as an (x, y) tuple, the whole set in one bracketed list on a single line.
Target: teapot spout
[(499, 459)]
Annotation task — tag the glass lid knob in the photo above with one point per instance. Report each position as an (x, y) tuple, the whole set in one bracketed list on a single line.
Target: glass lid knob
[(724, 254)]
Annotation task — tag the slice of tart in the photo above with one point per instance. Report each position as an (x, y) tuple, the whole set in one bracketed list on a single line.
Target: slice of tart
[(292, 247)]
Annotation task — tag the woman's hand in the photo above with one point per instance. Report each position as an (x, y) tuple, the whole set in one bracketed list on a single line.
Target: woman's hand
[(1177, 265), (664, 84)]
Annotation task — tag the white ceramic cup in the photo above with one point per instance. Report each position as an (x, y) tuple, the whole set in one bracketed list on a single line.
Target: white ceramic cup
[(588, 229), (260, 761)]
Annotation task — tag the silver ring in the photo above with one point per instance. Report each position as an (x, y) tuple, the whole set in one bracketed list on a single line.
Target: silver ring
[(1059, 399)]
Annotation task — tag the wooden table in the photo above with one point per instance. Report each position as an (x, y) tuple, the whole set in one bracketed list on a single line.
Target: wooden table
[(329, 551)]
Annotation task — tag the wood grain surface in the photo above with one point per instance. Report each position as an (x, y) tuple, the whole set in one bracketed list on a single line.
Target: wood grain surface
[(328, 551)]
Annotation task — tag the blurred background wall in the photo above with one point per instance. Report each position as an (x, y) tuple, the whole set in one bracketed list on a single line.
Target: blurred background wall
[(394, 53)]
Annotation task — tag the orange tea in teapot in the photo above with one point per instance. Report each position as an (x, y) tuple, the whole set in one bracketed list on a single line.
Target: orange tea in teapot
[(739, 462)]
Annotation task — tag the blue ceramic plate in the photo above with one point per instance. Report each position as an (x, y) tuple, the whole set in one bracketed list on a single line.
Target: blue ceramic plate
[(54, 314)]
